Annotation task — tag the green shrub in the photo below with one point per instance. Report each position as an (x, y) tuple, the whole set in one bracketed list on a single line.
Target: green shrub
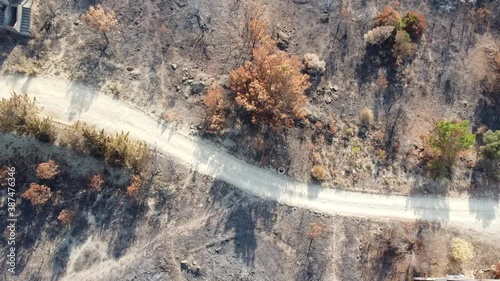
[(447, 140), (491, 148), (403, 47), (414, 24)]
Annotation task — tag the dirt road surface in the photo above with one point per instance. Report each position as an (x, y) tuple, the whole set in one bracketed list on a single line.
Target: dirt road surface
[(68, 102)]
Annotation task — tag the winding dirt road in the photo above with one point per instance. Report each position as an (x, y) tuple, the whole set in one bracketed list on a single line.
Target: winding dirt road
[(67, 102)]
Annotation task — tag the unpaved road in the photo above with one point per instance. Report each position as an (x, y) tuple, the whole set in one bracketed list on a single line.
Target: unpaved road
[(67, 102)]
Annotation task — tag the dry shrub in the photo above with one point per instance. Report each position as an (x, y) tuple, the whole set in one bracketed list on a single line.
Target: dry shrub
[(65, 217), (483, 15), (135, 186), (100, 19), (319, 172), (485, 64), (378, 35), (270, 86), (214, 102), (255, 28), (4, 175), (383, 82), (318, 230), (47, 170), (414, 24), (461, 250), (366, 116), (116, 149), (37, 194), (95, 182), (497, 271), (19, 115), (388, 17), (403, 47), (313, 65), (257, 31)]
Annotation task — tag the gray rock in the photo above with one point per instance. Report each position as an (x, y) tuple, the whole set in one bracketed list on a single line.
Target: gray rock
[(282, 45), (328, 100), (174, 66), (228, 143), (181, 3), (283, 36), (335, 88), (198, 88)]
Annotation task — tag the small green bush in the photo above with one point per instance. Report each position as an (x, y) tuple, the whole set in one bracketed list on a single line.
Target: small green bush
[(414, 24), (403, 47), (447, 140), (491, 148)]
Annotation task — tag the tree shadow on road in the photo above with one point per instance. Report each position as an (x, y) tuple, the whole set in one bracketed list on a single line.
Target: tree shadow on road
[(484, 191), (429, 202)]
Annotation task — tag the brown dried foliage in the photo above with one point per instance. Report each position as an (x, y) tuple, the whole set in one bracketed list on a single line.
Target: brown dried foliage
[(270, 86), (319, 172), (100, 19), (37, 194), (255, 27), (485, 64), (65, 217), (497, 271), (19, 115), (95, 182), (47, 170), (214, 102), (318, 230), (135, 186), (388, 16), (383, 82), (4, 174)]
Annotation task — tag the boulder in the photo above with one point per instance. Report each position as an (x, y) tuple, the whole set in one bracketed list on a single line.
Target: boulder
[(198, 88)]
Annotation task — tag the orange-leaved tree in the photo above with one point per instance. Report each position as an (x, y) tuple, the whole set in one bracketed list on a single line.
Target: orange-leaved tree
[(101, 20), (37, 194), (270, 86), (65, 217), (47, 170), (135, 186), (95, 182)]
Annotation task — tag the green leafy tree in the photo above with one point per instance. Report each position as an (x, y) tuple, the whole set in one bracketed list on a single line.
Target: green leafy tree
[(447, 140), (414, 24), (491, 148)]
